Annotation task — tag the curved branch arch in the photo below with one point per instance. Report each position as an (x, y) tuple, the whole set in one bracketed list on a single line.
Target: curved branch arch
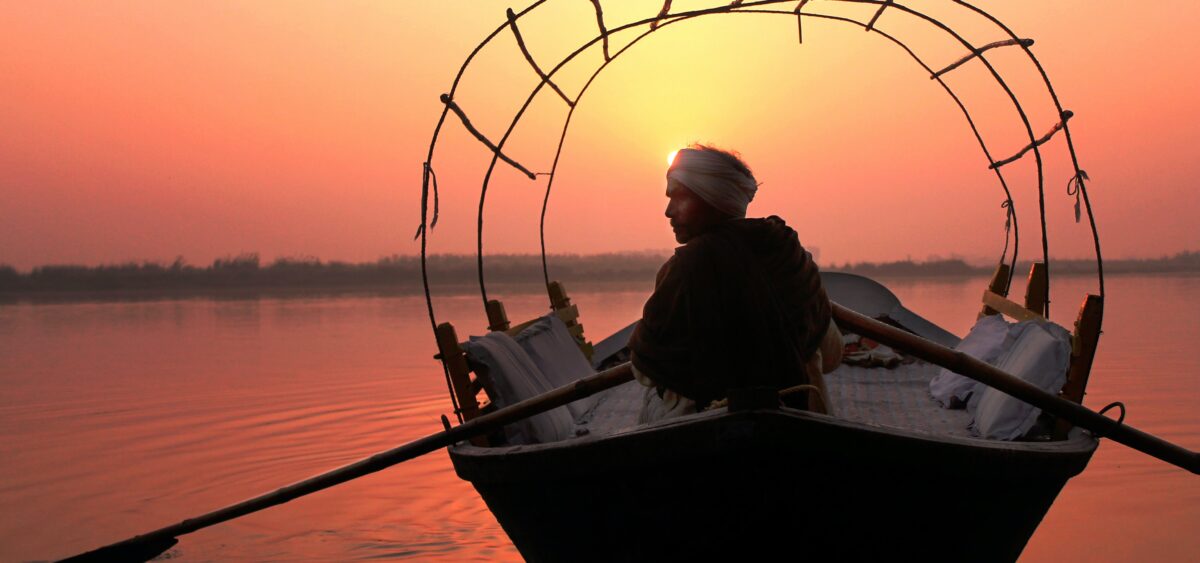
[(665, 19)]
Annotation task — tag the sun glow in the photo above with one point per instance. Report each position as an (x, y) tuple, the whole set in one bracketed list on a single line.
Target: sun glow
[(671, 157)]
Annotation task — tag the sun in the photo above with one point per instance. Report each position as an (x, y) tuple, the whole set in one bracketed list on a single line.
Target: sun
[(671, 157)]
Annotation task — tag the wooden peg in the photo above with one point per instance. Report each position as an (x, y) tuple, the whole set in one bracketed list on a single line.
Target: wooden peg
[(999, 286), (1037, 289), (1084, 342), (460, 373), (497, 317), (558, 295)]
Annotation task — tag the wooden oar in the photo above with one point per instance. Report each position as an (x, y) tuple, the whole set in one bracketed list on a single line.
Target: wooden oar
[(988, 374), (149, 545)]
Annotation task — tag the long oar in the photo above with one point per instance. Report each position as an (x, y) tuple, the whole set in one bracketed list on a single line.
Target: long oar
[(990, 375), (149, 545)]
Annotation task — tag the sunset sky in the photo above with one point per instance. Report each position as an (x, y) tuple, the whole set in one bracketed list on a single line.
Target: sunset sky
[(146, 130)]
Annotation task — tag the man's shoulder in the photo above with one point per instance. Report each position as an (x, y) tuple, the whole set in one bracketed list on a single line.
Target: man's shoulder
[(755, 232), (773, 225)]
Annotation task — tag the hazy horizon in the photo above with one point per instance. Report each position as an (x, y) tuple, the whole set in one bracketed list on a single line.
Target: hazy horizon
[(975, 261), (249, 273)]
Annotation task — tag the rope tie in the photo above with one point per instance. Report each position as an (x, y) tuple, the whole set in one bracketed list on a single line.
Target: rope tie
[(1007, 206), (1075, 188), (428, 175)]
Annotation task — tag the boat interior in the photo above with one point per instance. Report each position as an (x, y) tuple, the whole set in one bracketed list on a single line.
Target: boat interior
[(874, 386)]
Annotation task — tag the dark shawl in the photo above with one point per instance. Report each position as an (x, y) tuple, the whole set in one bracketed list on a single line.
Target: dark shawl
[(740, 305)]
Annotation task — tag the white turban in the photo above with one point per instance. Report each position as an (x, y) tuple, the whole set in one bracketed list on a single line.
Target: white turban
[(712, 177)]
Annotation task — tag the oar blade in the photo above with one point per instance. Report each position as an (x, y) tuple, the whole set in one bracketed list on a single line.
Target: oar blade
[(136, 550)]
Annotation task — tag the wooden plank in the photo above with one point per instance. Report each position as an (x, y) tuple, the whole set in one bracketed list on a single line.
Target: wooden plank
[(1037, 289), (497, 317), (1084, 343), (1012, 310), (999, 286)]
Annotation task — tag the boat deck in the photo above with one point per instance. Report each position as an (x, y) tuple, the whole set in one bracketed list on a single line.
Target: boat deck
[(897, 398), (891, 397), (614, 410)]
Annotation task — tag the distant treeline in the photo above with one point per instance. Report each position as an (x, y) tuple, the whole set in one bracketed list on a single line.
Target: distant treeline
[(1179, 263), (403, 273), (398, 273)]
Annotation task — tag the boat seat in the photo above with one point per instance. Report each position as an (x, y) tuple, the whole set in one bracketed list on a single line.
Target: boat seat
[(552, 351)]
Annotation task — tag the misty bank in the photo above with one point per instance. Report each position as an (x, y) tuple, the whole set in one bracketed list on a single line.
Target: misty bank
[(454, 273)]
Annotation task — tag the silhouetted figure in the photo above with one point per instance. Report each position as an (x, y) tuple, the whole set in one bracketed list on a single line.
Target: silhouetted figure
[(740, 304)]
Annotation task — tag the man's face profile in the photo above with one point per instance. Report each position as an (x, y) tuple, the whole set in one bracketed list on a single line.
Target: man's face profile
[(689, 214)]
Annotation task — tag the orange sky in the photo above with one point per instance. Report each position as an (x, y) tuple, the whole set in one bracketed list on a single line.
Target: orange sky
[(146, 130)]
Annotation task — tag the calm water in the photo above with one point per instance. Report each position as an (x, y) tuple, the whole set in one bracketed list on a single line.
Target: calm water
[(120, 417)]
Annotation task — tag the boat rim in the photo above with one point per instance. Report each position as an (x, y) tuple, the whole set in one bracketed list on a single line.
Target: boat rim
[(1077, 441)]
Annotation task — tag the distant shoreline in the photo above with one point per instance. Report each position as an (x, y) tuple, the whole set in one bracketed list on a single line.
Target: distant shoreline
[(243, 276)]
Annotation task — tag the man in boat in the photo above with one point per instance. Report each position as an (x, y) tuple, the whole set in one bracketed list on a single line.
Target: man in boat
[(740, 304)]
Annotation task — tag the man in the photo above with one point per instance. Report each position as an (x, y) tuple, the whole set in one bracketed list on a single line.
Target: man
[(740, 304)]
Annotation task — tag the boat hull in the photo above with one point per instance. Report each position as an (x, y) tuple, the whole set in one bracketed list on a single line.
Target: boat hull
[(775, 482)]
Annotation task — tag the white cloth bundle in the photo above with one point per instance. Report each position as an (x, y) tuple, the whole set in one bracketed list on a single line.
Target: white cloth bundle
[(713, 179)]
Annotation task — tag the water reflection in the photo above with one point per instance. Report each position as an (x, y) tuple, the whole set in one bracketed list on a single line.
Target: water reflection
[(124, 416)]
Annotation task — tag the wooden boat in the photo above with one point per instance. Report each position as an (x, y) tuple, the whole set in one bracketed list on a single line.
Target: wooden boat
[(887, 475)]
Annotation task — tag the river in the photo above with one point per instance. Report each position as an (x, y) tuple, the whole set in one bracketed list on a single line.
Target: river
[(122, 416)]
